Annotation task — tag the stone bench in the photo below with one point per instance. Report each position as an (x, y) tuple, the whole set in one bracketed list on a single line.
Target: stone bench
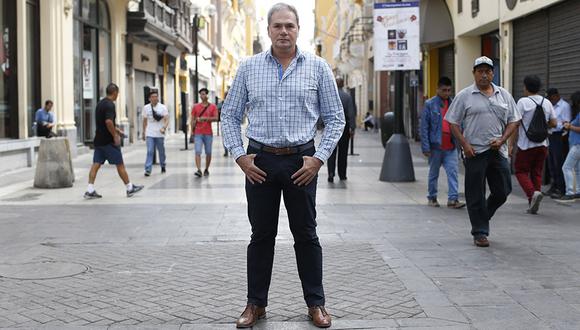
[(22, 146), (54, 165)]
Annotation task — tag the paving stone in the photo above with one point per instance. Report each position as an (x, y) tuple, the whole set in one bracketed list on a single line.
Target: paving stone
[(205, 283), (175, 254)]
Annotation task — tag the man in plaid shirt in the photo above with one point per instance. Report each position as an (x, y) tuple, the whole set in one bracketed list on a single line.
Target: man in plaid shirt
[(286, 91)]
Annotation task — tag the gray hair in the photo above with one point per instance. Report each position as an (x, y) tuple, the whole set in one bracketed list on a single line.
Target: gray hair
[(282, 6)]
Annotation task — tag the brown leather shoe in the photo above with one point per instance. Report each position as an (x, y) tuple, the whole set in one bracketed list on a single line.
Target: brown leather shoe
[(319, 316), (250, 316), (481, 241)]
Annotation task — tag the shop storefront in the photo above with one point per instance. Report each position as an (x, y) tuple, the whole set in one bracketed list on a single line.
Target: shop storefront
[(546, 43), (145, 65), (32, 62), (490, 47), (92, 63), (8, 82)]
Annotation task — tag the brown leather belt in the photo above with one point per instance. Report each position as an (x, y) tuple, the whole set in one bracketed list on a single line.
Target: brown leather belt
[(281, 151)]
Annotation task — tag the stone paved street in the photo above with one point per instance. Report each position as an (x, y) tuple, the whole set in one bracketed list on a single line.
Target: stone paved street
[(173, 256)]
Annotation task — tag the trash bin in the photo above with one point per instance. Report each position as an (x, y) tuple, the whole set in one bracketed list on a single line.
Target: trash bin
[(387, 127)]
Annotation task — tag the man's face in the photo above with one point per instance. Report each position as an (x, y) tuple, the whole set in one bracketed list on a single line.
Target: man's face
[(483, 75), (203, 96), (554, 99), (114, 96), (283, 30), (154, 98), (444, 92), (48, 107)]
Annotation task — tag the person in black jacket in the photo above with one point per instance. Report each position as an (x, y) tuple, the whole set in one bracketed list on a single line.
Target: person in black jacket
[(341, 149)]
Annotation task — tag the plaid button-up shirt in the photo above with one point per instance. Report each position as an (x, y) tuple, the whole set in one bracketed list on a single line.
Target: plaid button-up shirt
[(283, 106)]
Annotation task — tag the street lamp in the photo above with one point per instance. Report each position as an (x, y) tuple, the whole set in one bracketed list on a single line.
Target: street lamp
[(195, 30), (195, 25)]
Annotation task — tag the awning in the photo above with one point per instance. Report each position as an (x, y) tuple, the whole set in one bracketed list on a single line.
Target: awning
[(436, 23)]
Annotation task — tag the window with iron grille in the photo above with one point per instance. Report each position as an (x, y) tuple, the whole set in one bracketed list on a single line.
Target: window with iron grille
[(474, 7)]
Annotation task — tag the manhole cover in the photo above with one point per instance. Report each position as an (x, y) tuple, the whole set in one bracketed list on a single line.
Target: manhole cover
[(41, 270)]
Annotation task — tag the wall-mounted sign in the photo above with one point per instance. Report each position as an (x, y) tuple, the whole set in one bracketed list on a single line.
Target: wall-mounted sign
[(396, 36), (144, 58), (88, 75)]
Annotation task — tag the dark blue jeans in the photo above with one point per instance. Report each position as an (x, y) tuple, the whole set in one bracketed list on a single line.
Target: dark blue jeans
[(492, 167), (556, 158), (263, 211), (341, 151)]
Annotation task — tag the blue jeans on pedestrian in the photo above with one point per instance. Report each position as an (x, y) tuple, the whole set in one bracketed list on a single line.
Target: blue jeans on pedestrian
[(152, 144), (205, 141), (571, 165), (447, 158)]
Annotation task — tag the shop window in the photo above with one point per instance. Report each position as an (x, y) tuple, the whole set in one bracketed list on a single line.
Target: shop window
[(474, 8), (92, 62), (8, 84), (33, 63), (490, 47)]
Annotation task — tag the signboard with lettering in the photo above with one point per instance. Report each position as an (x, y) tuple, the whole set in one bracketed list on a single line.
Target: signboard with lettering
[(396, 36)]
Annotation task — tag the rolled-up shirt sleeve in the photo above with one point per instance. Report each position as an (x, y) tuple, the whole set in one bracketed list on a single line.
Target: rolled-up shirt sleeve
[(331, 113), (233, 112), (456, 112), (513, 115)]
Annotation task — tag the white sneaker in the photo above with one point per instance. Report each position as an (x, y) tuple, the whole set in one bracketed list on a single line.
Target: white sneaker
[(535, 204)]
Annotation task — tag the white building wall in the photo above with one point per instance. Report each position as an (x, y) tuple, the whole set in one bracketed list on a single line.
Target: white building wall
[(523, 8)]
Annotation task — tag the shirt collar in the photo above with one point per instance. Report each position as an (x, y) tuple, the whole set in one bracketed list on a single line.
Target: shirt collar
[(475, 90), (299, 54)]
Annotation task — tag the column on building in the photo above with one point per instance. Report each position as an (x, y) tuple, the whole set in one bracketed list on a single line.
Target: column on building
[(116, 42), (57, 42)]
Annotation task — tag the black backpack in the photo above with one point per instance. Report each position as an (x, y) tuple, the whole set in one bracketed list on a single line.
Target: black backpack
[(537, 131)]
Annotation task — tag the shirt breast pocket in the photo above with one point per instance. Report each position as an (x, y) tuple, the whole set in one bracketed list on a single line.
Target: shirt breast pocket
[(501, 111), (308, 95), (257, 98)]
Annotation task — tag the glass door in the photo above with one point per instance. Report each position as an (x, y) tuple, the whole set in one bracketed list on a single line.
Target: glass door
[(89, 82), (8, 87)]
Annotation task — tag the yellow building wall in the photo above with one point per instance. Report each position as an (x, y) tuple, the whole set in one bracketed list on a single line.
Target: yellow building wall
[(326, 29), (432, 72), (249, 36)]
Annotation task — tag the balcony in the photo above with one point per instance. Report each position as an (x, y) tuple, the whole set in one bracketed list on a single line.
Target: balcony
[(182, 25), (153, 21)]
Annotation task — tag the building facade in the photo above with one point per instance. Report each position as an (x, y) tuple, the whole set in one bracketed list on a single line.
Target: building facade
[(521, 36), (68, 51), (343, 37)]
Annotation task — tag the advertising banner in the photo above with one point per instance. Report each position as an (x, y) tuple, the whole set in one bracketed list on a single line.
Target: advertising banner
[(396, 36)]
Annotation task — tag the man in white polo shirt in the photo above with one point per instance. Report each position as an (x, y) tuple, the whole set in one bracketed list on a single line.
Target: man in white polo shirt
[(487, 113), (155, 122)]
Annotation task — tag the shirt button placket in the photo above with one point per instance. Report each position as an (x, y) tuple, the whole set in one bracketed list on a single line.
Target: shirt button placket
[(280, 97)]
